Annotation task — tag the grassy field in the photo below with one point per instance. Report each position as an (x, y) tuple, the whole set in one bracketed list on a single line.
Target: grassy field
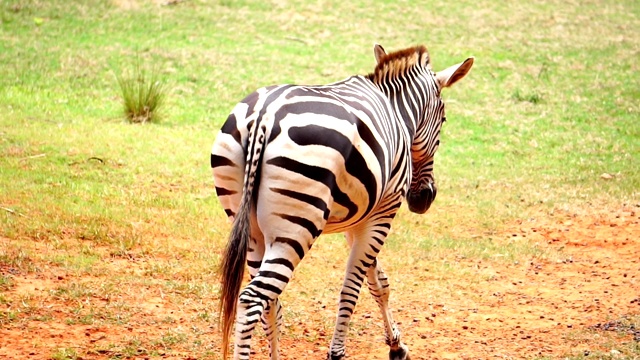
[(126, 214)]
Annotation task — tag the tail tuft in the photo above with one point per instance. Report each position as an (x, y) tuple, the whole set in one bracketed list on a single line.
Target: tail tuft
[(232, 273)]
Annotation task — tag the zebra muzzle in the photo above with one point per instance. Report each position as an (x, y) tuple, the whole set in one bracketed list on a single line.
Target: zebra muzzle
[(420, 201)]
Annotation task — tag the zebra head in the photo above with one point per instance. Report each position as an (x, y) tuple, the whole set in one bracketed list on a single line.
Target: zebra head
[(420, 105)]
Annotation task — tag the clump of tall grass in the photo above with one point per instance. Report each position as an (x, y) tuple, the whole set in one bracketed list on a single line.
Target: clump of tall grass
[(143, 93)]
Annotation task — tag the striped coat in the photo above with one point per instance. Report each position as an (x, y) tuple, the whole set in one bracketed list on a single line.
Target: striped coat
[(292, 162)]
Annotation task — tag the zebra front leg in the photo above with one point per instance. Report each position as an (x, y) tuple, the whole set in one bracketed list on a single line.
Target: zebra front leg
[(272, 323), (379, 289)]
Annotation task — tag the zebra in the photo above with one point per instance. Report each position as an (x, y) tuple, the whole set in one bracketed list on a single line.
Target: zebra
[(293, 162)]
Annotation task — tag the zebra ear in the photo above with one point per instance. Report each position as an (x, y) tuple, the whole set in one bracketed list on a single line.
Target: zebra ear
[(379, 52), (452, 74)]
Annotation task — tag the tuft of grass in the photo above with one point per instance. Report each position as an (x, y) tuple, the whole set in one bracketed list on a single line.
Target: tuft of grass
[(82, 263), (133, 348), (64, 354), (531, 97), (6, 282), (73, 291), (170, 338), (18, 259), (143, 93), (8, 316)]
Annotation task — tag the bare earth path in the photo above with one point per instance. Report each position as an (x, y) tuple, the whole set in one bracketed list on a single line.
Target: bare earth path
[(534, 310), (527, 310)]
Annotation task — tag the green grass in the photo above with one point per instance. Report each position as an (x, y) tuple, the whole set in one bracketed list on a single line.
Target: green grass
[(539, 119), (143, 92), (550, 105)]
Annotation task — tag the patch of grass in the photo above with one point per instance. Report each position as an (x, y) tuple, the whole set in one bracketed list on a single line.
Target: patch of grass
[(8, 316), (18, 259), (6, 282), (64, 354), (76, 290), (27, 305), (43, 317), (125, 246), (196, 289), (169, 320), (143, 93), (86, 314), (532, 97), (133, 348), (204, 316), (603, 340), (82, 263), (170, 338)]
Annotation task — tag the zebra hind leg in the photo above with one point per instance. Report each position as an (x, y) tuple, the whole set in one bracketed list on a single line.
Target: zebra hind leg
[(250, 304), (379, 289), (271, 323), (254, 305), (250, 309), (259, 300)]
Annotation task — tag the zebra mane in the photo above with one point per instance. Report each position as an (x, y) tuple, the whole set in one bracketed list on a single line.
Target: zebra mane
[(398, 63)]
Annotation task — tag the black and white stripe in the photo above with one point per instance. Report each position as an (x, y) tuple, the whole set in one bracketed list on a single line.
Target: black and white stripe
[(293, 162)]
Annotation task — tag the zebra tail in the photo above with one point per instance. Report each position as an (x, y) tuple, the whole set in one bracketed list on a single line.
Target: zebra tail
[(232, 267)]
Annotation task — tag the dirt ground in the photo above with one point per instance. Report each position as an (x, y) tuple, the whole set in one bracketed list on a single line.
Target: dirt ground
[(537, 310)]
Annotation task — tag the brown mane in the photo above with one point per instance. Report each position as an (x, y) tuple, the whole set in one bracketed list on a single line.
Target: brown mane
[(399, 62)]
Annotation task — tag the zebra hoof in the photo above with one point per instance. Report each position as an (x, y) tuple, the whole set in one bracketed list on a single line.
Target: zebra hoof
[(335, 357), (401, 353)]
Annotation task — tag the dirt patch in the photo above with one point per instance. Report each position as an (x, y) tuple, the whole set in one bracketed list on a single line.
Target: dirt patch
[(541, 308), (530, 310)]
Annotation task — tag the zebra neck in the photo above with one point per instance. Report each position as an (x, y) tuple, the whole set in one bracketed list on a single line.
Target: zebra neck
[(405, 106)]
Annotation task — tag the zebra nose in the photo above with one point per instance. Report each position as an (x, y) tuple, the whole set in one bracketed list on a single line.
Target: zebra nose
[(420, 201)]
